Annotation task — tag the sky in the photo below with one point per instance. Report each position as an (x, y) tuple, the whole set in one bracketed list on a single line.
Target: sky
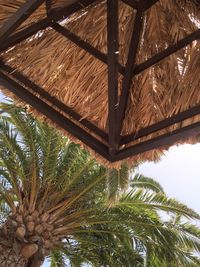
[(179, 174)]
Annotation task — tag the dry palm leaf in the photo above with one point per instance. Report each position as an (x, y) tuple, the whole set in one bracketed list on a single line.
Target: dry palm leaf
[(79, 80)]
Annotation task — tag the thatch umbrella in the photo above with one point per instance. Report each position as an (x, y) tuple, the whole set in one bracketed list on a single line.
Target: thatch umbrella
[(69, 49)]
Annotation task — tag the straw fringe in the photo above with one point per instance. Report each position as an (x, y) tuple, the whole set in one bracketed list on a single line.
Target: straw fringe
[(153, 156), (80, 81)]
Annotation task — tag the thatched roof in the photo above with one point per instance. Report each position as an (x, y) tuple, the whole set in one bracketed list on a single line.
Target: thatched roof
[(79, 80)]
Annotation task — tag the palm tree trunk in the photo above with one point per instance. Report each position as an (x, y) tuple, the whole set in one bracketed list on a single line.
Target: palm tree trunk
[(36, 261), (15, 248), (8, 258)]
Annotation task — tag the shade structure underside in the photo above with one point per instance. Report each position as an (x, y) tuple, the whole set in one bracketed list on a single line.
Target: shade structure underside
[(121, 77)]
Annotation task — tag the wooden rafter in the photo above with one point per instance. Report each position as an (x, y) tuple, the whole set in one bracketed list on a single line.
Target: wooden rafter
[(149, 4), (113, 51), (48, 6), (167, 139), (161, 125), (37, 103), (20, 16), (52, 100), (24, 34), (126, 84), (44, 23), (131, 3), (84, 45), (134, 4), (167, 52)]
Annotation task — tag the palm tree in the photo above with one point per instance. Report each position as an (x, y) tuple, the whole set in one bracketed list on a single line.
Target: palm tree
[(54, 203), (176, 248)]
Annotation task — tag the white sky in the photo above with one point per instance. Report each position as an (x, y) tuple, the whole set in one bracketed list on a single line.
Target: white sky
[(178, 172)]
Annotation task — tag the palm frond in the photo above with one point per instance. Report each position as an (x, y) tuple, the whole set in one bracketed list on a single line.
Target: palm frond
[(141, 181), (117, 181)]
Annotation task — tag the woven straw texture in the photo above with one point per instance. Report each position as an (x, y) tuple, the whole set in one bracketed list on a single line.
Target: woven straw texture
[(80, 81)]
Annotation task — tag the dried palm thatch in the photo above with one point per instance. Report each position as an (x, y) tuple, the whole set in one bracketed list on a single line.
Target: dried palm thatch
[(79, 80)]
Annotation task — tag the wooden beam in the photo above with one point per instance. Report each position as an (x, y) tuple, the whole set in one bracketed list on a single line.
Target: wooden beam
[(161, 125), (131, 3), (84, 45), (134, 4), (48, 6), (167, 52), (113, 51), (24, 34), (62, 13), (63, 122), (159, 142), (127, 80), (149, 4), (20, 16), (54, 101), (44, 23)]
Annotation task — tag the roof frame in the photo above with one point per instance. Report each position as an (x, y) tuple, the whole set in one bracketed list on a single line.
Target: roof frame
[(167, 52), (113, 51), (126, 83), (38, 103), (51, 19), (40, 92), (131, 3), (184, 115), (136, 5), (18, 18), (48, 6), (85, 45), (112, 145), (164, 140)]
